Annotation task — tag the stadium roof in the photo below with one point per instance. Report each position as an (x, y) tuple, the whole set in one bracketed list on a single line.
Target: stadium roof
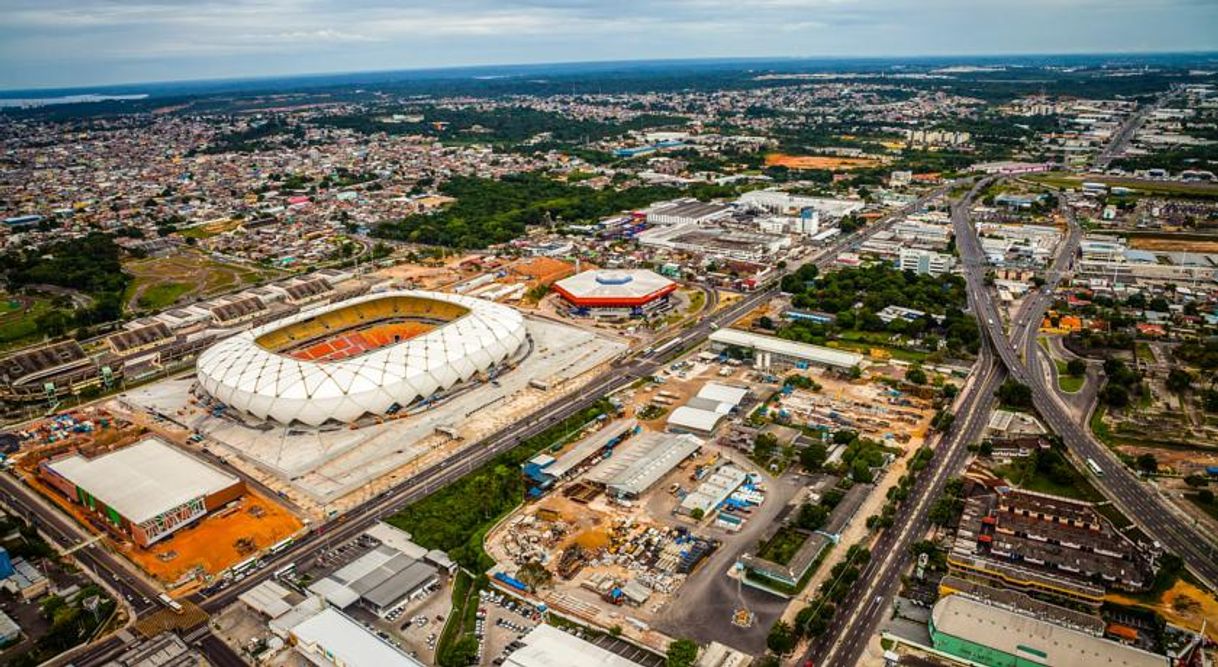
[(614, 287), (143, 480), (349, 644), (826, 356), (547, 646), (240, 372), (1031, 639)]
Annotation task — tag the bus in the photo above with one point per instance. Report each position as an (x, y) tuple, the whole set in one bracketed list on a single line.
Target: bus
[(1095, 467), (280, 545), (284, 571), (171, 603)]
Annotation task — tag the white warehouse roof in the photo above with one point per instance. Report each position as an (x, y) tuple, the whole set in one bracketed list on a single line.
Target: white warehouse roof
[(547, 646), (643, 460), (242, 373), (143, 480), (344, 642), (696, 419), (816, 354)]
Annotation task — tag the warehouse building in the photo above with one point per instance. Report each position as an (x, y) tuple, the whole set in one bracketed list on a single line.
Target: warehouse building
[(642, 461), (616, 293), (547, 646), (685, 211), (772, 353), (988, 635), (379, 581), (701, 414), (147, 490), (332, 638)]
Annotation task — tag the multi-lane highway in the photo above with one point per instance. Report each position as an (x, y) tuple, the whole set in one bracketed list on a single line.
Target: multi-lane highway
[(1137, 500), (625, 372)]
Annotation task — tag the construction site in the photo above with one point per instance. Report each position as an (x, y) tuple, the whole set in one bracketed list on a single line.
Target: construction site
[(640, 522)]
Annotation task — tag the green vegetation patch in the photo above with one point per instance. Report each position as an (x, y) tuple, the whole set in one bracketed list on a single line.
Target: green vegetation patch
[(782, 546), (456, 518), (1049, 472), (163, 295)]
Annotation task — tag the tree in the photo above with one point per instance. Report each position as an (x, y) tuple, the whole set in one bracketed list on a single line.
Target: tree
[(1195, 480), (812, 517), (1148, 462), (781, 639), (1015, 393), (860, 471), (696, 514), (915, 375), (1076, 367), (855, 372), (813, 456), (1206, 496), (1115, 395), (1179, 380), (681, 653)]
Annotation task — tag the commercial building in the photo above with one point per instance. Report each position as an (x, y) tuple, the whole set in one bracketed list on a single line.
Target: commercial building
[(989, 635), (330, 637), (642, 461), (544, 470), (616, 293), (771, 352), (1045, 545), (784, 203), (380, 580), (701, 414), (925, 262), (685, 211), (147, 490), (547, 646)]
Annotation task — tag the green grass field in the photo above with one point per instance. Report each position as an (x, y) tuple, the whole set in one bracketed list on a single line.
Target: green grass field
[(163, 295), (17, 324), (1067, 382), (1063, 180)]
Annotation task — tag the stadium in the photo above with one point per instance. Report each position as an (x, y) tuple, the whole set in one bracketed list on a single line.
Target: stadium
[(371, 355), (617, 293)]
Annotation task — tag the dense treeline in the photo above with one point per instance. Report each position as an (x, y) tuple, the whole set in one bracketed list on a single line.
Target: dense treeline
[(504, 125), (90, 264), (856, 295), (489, 211)]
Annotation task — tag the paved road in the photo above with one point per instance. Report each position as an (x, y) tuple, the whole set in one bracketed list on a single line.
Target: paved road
[(1120, 139), (1142, 504), (625, 372), (867, 605)]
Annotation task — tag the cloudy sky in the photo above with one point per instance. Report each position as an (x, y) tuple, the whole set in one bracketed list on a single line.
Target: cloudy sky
[(45, 43)]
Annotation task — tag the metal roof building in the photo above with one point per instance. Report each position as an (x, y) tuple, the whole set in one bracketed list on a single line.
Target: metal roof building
[(380, 580), (770, 350), (332, 638), (547, 646), (149, 488), (642, 461), (990, 635)]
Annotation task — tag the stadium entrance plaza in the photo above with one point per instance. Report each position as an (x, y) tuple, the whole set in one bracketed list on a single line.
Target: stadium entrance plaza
[(332, 468)]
